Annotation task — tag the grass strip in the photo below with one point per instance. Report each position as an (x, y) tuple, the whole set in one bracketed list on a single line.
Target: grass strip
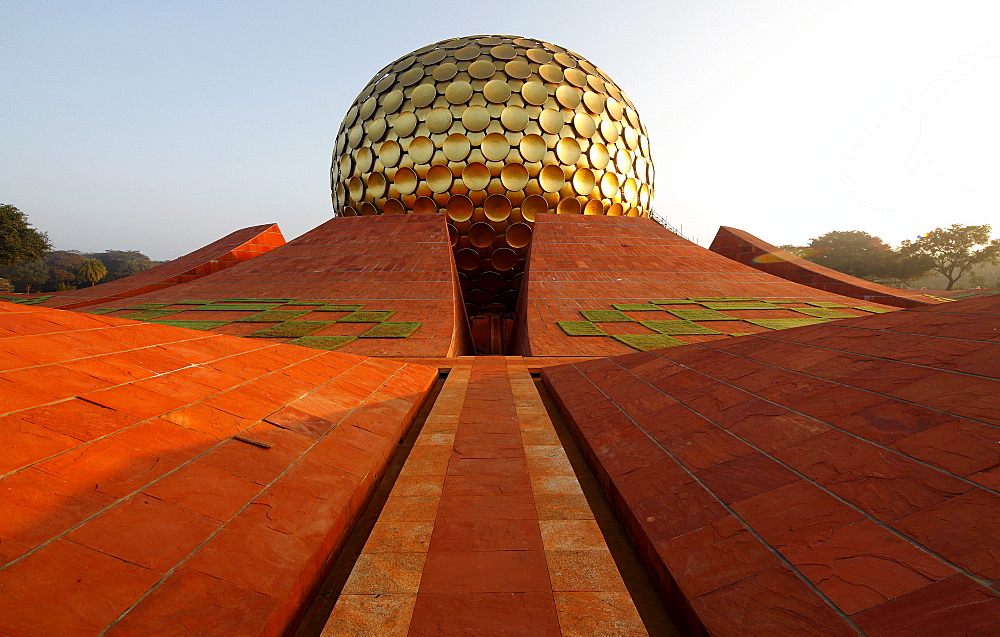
[(255, 300), (580, 328), (323, 342), (147, 306), (636, 307), (239, 307), (192, 302), (702, 315), (193, 325), (273, 316), (605, 316), (646, 342), (783, 324), (873, 309), (673, 302), (388, 329), (365, 317), (821, 312), (825, 304), (741, 305), (677, 327), (723, 299), (101, 310), (291, 329), (338, 308), (150, 315), (306, 303)]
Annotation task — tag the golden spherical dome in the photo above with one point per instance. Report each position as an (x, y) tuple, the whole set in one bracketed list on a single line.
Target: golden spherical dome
[(491, 131)]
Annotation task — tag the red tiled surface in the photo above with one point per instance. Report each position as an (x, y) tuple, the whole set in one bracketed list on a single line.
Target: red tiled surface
[(154, 478), (399, 263), (745, 248), (228, 251), (825, 479), (583, 262)]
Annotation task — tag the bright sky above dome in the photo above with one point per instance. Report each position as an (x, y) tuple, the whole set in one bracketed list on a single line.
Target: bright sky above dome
[(163, 126)]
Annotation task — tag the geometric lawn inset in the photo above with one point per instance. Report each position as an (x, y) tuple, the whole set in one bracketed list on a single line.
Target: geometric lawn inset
[(677, 327), (605, 316), (782, 324), (387, 329), (273, 316), (821, 312), (646, 342), (636, 307), (193, 325), (580, 328), (366, 317), (291, 329), (702, 315)]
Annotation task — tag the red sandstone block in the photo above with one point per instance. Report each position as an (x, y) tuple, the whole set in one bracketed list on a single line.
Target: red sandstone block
[(135, 401), (301, 422), (794, 512), (960, 446), (205, 490), (890, 420), (936, 609), (745, 477), (675, 510), (485, 572), (294, 508), (79, 419), (165, 439), (27, 443), (707, 447), (93, 589), (256, 463), (361, 463), (496, 613), (209, 420)]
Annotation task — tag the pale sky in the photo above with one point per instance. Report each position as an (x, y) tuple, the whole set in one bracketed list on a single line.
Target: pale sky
[(163, 126)]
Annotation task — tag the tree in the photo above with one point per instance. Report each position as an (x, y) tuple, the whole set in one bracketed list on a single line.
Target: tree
[(29, 274), (92, 270), (18, 240), (122, 263), (952, 251), (63, 266), (856, 253)]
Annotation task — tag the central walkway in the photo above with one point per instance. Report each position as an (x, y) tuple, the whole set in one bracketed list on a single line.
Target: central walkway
[(486, 530)]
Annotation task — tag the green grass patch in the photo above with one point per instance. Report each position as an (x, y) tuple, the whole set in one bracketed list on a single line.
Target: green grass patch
[(193, 325), (821, 312), (150, 315), (646, 342), (872, 309), (635, 307), (741, 334), (291, 329), (306, 303), (782, 301), (677, 327), (605, 316), (938, 298), (147, 306), (783, 324), (239, 307), (192, 302), (702, 315), (323, 342), (388, 329), (274, 316), (255, 300), (366, 317), (723, 299), (825, 304), (580, 328), (742, 305), (338, 308), (101, 310), (673, 302)]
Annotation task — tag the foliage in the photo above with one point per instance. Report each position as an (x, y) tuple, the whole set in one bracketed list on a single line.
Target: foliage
[(741, 305), (28, 274), (63, 267), (122, 263), (6, 285), (18, 240), (860, 254), (92, 270), (781, 324), (953, 251), (821, 312)]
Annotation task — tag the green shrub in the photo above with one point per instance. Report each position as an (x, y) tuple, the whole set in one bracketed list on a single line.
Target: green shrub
[(273, 316), (646, 342), (388, 329), (323, 342), (677, 327), (366, 317), (291, 329), (605, 316), (193, 325), (702, 315), (580, 328)]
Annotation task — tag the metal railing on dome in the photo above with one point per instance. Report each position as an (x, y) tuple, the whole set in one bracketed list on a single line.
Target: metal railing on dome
[(662, 220)]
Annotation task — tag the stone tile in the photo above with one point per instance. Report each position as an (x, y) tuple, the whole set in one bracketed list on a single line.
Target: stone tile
[(379, 573), (586, 571), (956, 603), (512, 613), (370, 616), (485, 572), (485, 535), (582, 614), (572, 535)]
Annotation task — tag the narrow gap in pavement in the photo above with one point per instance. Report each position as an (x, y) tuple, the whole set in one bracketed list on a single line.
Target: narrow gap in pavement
[(651, 610), (319, 609)]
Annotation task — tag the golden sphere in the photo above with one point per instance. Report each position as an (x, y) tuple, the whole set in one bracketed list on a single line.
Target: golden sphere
[(490, 131)]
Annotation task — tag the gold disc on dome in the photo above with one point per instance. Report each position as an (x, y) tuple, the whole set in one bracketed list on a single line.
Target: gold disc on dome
[(533, 206), (551, 73), (518, 235), (385, 82), (631, 138), (350, 212), (393, 207), (482, 69), (495, 147), (584, 181), (423, 95), (598, 156), (476, 176), (412, 76), (568, 150), (532, 147), (445, 71), (356, 188), (584, 125), (609, 131), (630, 191), (514, 177), (433, 57), (568, 96), (439, 179), (596, 83), (534, 93), (375, 129), (482, 235), (594, 102), (392, 101), (346, 163), (404, 123), (623, 160), (421, 150), (503, 52), (376, 184), (458, 92), (454, 43), (354, 136), (424, 206), (614, 108), (644, 196), (539, 55), (609, 185), (476, 118), (503, 259), (438, 120), (467, 259), (569, 206), (368, 209), (594, 207), (453, 235), (460, 208), (456, 147), (518, 69), (497, 207), (616, 210), (514, 118), (551, 121), (405, 181), (497, 91), (364, 158), (389, 153), (368, 107), (576, 77), (404, 63), (469, 52), (566, 61), (552, 178)]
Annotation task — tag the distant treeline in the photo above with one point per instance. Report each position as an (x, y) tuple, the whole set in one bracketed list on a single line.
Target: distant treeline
[(61, 269)]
